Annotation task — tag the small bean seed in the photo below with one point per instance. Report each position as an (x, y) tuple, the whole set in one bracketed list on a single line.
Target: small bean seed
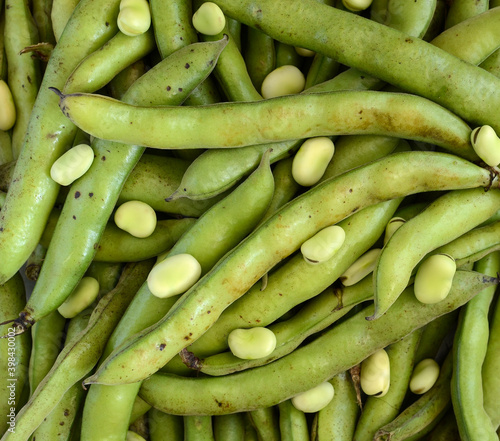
[(311, 160), (392, 226), (375, 374), (72, 165), (486, 144), (361, 268), (252, 343), (137, 218), (8, 116), (82, 297), (134, 17), (284, 80), (424, 376), (315, 399), (209, 19), (323, 245), (434, 277)]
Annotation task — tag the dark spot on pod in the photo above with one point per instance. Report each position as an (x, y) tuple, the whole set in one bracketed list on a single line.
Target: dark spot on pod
[(103, 158), (29, 79), (408, 40), (91, 194), (66, 412), (360, 112), (77, 194), (180, 89), (208, 312), (350, 190), (186, 337), (74, 217), (169, 88), (61, 423), (187, 66), (162, 346), (107, 23), (96, 246), (1, 228), (355, 209)]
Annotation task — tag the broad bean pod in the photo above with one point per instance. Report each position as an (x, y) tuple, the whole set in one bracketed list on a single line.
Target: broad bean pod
[(198, 428), (292, 422), (60, 15), (265, 420), (462, 10), (32, 193), (229, 427), (310, 365), (41, 14), (228, 125), (389, 178), (259, 54), (165, 427)]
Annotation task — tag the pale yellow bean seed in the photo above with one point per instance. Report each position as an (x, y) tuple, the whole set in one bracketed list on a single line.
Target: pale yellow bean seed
[(392, 226), (434, 278), (132, 436), (252, 343), (209, 19), (82, 296), (72, 165), (136, 218), (486, 144), (361, 268), (424, 375), (134, 17), (173, 275), (8, 113), (357, 5), (323, 245), (311, 160), (284, 80), (376, 374), (303, 52), (315, 399)]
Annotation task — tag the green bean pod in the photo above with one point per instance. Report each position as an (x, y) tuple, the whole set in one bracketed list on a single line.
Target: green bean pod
[(423, 415), (259, 54), (33, 193), (469, 350), (378, 411), (99, 67), (406, 62), (229, 427), (461, 10), (450, 216), (80, 355), (337, 421), (265, 420), (337, 350), (227, 125), (41, 13), (492, 63), (165, 427), (271, 243), (198, 428), (292, 422), (23, 70), (15, 351), (60, 14), (446, 430), (411, 18)]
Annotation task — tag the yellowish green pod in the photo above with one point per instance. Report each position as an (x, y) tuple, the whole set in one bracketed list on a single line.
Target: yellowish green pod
[(323, 245), (83, 296), (209, 19), (361, 268), (434, 278), (392, 226), (134, 17), (8, 115), (251, 343), (72, 165), (375, 374), (315, 399), (424, 376), (311, 160), (486, 144), (137, 218), (284, 80), (174, 275)]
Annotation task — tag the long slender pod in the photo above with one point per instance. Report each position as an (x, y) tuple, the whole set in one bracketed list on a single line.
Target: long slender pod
[(41, 13), (60, 15), (337, 350), (292, 422), (32, 193), (391, 177), (198, 428), (165, 427), (265, 420)]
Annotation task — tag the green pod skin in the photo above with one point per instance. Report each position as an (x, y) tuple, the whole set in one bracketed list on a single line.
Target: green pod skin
[(337, 350), (5, 147), (229, 427), (66, 410), (32, 193), (41, 14), (474, 39), (265, 420), (60, 15), (337, 421), (24, 71), (241, 209), (411, 18), (35, 261), (379, 411), (437, 23), (292, 422), (287, 55), (423, 415), (315, 316), (165, 427), (277, 238), (98, 68), (47, 340), (107, 274), (406, 62), (120, 84), (446, 430), (92, 198), (296, 281), (447, 218), (227, 125), (139, 409), (492, 63), (80, 355), (322, 69), (198, 428), (13, 364), (469, 351), (461, 10), (259, 54)]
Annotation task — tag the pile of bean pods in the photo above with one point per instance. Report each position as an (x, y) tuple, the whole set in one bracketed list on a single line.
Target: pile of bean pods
[(249, 220)]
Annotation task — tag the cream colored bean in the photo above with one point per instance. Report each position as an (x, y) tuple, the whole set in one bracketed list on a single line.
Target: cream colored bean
[(132, 436), (303, 52), (357, 5), (72, 165), (209, 19), (284, 80), (252, 343), (424, 375), (174, 275), (434, 278), (134, 17), (392, 226), (83, 296), (323, 245), (8, 114), (361, 268), (315, 399), (311, 160), (376, 374), (136, 218), (486, 144)]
